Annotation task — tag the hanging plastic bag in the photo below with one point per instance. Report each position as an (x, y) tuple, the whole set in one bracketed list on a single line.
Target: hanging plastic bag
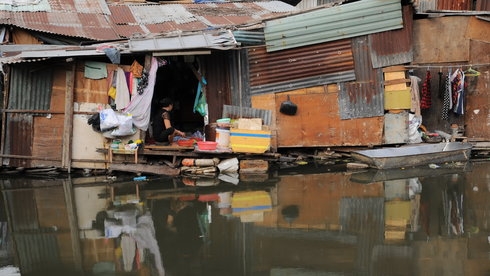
[(125, 127), (200, 101), (108, 119)]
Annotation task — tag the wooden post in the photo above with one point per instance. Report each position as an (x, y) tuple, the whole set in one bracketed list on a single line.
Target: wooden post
[(68, 123), (6, 81)]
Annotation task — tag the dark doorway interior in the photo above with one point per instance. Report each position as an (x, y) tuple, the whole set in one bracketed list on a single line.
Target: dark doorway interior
[(177, 81)]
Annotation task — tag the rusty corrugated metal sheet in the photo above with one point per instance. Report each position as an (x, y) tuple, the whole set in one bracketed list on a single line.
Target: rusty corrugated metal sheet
[(96, 20), (364, 97), (218, 91), (423, 6), (192, 17), (454, 5), (80, 6), (72, 24), (482, 5), (18, 140), (30, 89), (393, 47), (294, 65)]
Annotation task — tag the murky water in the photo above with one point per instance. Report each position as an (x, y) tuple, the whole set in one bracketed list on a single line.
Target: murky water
[(300, 221)]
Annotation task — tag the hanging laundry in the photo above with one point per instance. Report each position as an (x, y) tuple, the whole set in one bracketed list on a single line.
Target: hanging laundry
[(95, 70), (458, 87), (442, 86), (140, 104), (122, 90), (113, 54), (143, 83), (415, 95), (447, 102), (426, 100), (136, 69)]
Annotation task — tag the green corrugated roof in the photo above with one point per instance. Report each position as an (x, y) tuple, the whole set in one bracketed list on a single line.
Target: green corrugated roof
[(334, 23)]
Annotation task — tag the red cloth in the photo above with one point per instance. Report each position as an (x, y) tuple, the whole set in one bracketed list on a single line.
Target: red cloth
[(426, 101)]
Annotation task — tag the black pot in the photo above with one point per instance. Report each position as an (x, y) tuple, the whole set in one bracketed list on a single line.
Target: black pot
[(288, 107)]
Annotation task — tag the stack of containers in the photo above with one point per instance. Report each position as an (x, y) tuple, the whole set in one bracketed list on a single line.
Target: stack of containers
[(223, 133)]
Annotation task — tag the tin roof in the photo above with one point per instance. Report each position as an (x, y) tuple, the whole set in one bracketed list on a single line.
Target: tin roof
[(96, 20), (333, 23)]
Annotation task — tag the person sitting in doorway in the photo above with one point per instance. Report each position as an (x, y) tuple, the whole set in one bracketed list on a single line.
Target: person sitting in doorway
[(163, 131)]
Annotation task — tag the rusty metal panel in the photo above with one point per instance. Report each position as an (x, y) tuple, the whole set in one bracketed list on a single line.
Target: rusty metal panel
[(360, 100), (47, 140), (482, 5), (96, 20), (477, 113), (432, 35), (423, 6), (18, 139), (364, 97), (331, 130), (393, 47), (313, 65), (454, 5), (218, 93)]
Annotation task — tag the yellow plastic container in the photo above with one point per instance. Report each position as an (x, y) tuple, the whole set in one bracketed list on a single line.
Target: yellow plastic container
[(250, 141), (400, 99)]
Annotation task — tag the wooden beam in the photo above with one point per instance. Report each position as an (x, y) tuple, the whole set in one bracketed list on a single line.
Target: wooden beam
[(68, 123)]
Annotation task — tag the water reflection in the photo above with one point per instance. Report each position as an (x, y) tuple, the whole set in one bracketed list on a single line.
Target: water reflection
[(410, 222)]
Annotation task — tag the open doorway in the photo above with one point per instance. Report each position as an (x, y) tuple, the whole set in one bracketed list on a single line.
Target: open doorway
[(176, 80)]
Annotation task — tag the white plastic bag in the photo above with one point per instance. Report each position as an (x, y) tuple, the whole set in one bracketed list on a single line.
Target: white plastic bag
[(414, 123), (125, 127), (108, 119)]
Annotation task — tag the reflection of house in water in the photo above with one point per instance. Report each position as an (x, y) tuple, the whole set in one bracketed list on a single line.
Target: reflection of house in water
[(325, 234), (324, 222), (53, 226)]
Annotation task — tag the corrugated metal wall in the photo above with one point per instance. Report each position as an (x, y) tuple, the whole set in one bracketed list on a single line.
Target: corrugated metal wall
[(329, 24), (455, 5), (423, 6), (18, 139), (30, 90), (308, 66), (30, 87), (364, 97), (393, 47), (215, 68), (482, 5)]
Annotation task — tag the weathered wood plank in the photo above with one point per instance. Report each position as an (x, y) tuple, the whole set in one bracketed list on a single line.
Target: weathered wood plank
[(143, 168)]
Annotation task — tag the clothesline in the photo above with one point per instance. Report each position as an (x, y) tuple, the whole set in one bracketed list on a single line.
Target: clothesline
[(469, 65)]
